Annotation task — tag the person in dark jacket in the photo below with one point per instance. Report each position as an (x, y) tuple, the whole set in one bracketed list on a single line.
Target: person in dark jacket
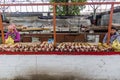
[(113, 35)]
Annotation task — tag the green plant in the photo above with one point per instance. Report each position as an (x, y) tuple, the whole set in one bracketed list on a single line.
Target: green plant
[(67, 9)]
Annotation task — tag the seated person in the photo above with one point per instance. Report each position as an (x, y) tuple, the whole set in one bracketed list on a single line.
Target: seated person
[(113, 35), (12, 31)]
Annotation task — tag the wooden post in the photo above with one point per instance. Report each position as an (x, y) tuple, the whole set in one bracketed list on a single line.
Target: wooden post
[(110, 23), (54, 23), (1, 29)]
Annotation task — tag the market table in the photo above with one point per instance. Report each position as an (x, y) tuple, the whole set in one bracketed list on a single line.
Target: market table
[(59, 53)]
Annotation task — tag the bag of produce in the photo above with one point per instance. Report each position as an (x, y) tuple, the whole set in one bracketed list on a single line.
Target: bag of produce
[(50, 41), (116, 45), (9, 40)]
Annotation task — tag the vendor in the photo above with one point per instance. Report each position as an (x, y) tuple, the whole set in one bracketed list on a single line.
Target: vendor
[(113, 35), (12, 31)]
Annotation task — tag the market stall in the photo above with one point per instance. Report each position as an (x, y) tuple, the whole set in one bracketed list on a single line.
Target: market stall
[(59, 46)]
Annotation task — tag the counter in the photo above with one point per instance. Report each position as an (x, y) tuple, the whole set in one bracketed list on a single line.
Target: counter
[(59, 53), (61, 37)]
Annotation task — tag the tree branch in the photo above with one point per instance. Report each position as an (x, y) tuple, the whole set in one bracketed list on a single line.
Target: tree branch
[(99, 5), (92, 6)]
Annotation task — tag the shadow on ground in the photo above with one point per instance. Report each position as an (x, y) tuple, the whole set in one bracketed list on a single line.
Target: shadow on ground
[(48, 77)]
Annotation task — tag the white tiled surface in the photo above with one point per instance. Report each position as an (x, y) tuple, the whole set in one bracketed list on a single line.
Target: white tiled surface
[(95, 67)]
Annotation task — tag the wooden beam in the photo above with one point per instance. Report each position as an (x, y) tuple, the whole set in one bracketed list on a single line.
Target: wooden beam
[(72, 3), (110, 23), (54, 23), (1, 29)]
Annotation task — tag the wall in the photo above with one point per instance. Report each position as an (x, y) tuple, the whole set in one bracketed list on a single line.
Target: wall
[(105, 19)]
